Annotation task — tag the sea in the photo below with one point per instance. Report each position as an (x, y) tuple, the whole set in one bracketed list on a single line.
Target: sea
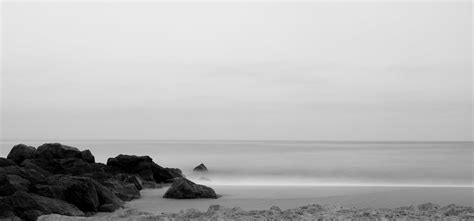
[(312, 170)]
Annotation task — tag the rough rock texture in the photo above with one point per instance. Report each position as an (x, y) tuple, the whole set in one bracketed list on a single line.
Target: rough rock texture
[(6, 162), (10, 183), (29, 206), (21, 152), (144, 167), (124, 191), (87, 156), (55, 173), (57, 151), (200, 168), (87, 194), (183, 188), (29, 174)]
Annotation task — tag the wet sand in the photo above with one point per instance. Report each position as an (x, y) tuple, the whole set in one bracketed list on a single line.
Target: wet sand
[(286, 197)]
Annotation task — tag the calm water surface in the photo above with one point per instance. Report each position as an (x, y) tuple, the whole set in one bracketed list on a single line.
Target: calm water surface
[(282, 163)]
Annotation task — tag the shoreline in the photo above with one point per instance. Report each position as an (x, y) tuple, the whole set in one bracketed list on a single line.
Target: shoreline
[(251, 198), (425, 211)]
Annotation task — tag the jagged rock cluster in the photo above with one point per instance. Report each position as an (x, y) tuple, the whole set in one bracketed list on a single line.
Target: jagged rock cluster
[(60, 179)]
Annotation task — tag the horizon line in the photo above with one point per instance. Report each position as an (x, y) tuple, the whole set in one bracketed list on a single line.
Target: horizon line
[(238, 140)]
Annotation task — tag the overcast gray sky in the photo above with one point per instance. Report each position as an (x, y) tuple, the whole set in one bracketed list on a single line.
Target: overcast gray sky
[(311, 71)]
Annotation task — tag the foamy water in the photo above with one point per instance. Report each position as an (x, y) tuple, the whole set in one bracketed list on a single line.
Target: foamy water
[(293, 163)]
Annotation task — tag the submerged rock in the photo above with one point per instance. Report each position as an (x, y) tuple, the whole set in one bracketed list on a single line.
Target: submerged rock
[(183, 188), (200, 168)]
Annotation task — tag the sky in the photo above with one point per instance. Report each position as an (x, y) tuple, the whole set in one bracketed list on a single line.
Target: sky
[(237, 70)]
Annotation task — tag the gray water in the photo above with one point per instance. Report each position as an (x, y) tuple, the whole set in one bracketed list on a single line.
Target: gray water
[(304, 163)]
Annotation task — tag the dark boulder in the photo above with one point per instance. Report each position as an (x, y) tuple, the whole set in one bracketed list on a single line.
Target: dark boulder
[(29, 206), (10, 183), (52, 166), (124, 191), (165, 175), (142, 166), (72, 166), (21, 152), (7, 212), (183, 188), (75, 166), (200, 168), (6, 162), (29, 174), (30, 164), (87, 156), (132, 179), (57, 151), (83, 192)]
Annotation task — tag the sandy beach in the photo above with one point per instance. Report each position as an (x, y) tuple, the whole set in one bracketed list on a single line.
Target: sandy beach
[(263, 197), (299, 203)]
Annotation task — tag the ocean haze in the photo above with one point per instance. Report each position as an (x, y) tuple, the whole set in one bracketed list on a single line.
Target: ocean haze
[(262, 71), (301, 163)]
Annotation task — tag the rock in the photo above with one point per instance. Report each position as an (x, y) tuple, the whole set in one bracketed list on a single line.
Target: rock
[(130, 178), (57, 151), (87, 156), (428, 206), (6, 162), (21, 152), (10, 183), (29, 164), (142, 166), (50, 191), (6, 211), (124, 191), (183, 188), (29, 206), (71, 166), (151, 185), (275, 208), (200, 168), (108, 207), (165, 175), (83, 192), (32, 214), (75, 166), (29, 174)]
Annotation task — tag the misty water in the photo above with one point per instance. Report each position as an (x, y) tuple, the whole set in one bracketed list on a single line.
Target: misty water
[(301, 163)]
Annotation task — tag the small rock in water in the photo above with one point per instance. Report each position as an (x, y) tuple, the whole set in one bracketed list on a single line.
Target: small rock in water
[(200, 168), (183, 188)]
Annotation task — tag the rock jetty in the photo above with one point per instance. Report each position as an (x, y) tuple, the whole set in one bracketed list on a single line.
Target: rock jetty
[(60, 179)]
